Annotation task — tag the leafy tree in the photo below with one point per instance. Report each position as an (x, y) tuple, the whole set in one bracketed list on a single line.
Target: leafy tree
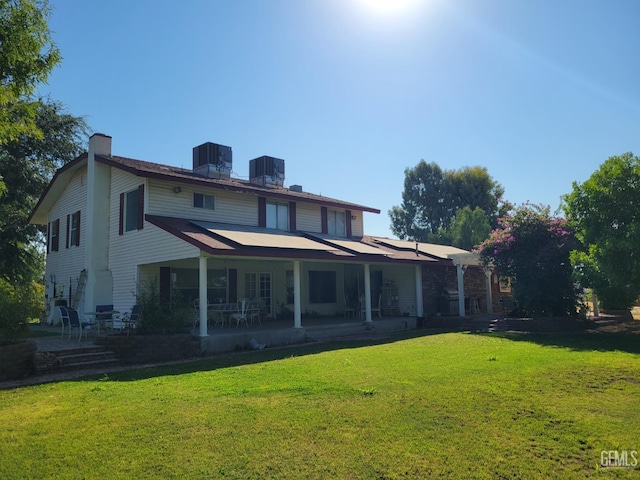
[(27, 164), (604, 212), (469, 228), (432, 197), (533, 248), (19, 304), (27, 57)]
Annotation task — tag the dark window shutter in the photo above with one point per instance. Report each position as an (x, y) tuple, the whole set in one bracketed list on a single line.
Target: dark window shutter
[(165, 285), (324, 220), (262, 212), (121, 216), (140, 207), (49, 226), (68, 228), (292, 216), (55, 246), (233, 285), (347, 222), (78, 229)]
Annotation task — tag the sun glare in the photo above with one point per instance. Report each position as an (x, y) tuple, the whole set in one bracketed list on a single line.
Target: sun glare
[(388, 7)]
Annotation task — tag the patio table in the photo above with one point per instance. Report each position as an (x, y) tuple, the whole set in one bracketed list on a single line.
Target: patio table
[(222, 311), (101, 322)]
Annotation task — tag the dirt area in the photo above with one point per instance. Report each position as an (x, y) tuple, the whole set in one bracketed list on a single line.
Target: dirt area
[(622, 326)]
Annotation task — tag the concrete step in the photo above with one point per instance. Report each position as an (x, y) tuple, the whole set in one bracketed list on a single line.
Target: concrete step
[(74, 359), (73, 367), (493, 325)]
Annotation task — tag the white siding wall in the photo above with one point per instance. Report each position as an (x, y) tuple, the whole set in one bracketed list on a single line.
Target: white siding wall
[(67, 263), (308, 217), (137, 247), (230, 207), (357, 225)]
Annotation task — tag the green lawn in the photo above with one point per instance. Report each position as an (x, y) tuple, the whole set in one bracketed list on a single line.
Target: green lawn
[(444, 405)]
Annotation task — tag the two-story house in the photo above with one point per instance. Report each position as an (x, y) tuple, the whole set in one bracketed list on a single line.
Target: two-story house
[(114, 221)]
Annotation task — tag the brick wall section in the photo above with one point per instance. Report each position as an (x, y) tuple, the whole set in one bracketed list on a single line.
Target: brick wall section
[(137, 349), (438, 278), (16, 360)]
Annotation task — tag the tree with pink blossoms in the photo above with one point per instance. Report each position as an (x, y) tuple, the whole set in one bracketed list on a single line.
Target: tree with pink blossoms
[(532, 247)]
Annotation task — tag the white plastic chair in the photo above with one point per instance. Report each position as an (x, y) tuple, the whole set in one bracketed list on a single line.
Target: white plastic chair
[(241, 315), (377, 309), (349, 308), (254, 310)]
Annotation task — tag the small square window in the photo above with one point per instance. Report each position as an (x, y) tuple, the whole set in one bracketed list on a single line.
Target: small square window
[(336, 223), (201, 200), (278, 216)]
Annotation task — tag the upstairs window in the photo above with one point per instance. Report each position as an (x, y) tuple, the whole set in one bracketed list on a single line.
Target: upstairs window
[(53, 243), (73, 229), (201, 200), (336, 224), (131, 210), (132, 204), (278, 216)]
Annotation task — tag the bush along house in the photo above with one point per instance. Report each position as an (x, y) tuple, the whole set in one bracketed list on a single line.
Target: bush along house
[(211, 239)]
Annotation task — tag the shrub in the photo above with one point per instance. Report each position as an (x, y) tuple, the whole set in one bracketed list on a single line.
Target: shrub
[(19, 304), (532, 247), (159, 315)]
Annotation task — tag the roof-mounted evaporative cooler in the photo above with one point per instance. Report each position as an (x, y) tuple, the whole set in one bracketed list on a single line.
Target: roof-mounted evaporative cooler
[(212, 160), (266, 171)]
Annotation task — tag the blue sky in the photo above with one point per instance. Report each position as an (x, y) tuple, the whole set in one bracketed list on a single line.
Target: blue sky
[(349, 93)]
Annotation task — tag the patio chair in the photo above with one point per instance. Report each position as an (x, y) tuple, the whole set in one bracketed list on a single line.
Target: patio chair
[(349, 308), (64, 319), (103, 318), (241, 315), (378, 308), (363, 313), (76, 324), (254, 311), (196, 312), (131, 320)]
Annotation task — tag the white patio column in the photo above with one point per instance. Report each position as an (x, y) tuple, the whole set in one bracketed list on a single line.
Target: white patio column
[(418, 271), (297, 310), (460, 272), (202, 294), (367, 293), (487, 274)]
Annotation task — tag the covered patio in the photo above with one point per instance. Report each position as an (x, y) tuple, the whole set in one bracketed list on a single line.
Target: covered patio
[(294, 274)]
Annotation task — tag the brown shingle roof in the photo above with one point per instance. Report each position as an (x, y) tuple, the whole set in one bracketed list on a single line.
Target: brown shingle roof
[(141, 168)]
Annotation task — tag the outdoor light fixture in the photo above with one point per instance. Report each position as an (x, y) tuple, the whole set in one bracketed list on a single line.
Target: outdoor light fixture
[(177, 189)]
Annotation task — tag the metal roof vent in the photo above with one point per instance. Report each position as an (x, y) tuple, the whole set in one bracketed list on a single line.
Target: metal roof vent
[(267, 171), (296, 188), (212, 160)]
